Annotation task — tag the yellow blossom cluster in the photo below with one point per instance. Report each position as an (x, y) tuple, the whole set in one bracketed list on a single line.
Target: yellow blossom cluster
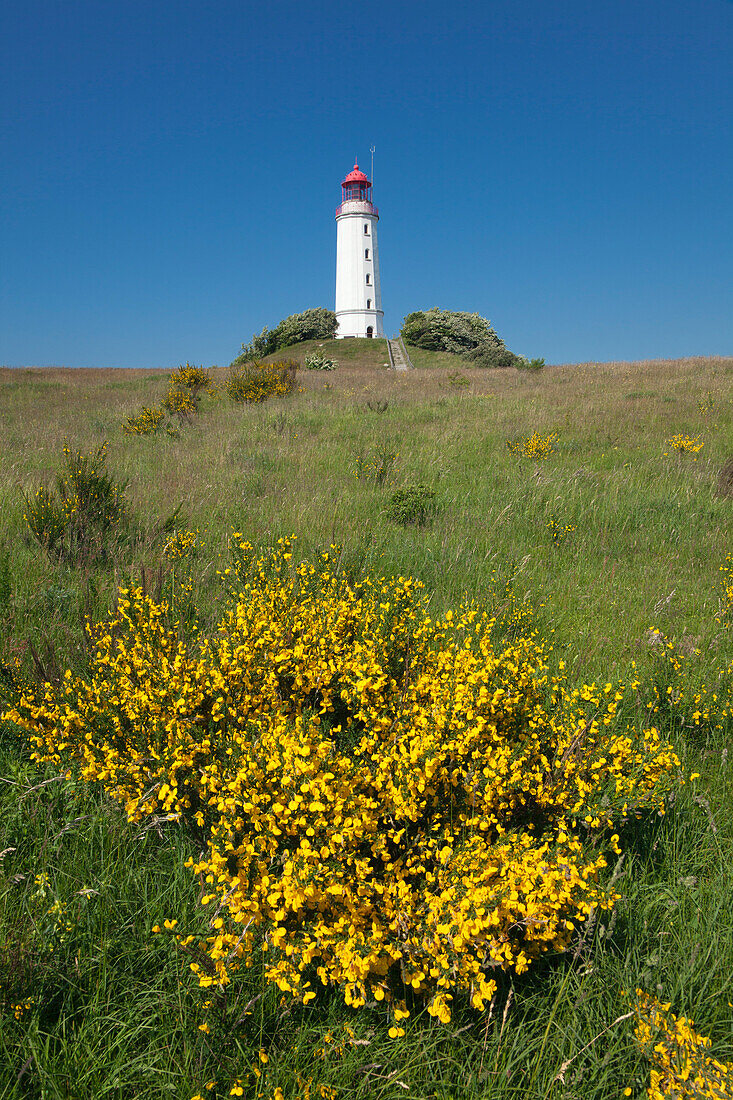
[(559, 531), (76, 520), (255, 382), (675, 698), (379, 466), (192, 378), (181, 401), (390, 802), (147, 421), (182, 544), (685, 444), (21, 1007), (534, 446), (681, 1063)]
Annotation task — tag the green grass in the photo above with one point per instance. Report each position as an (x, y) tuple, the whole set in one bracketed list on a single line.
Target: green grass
[(115, 1010)]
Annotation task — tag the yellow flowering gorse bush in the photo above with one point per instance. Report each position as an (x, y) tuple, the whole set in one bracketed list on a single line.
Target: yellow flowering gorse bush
[(193, 378), (255, 382), (534, 446), (685, 444), (146, 422), (681, 1063), (181, 544), (390, 802)]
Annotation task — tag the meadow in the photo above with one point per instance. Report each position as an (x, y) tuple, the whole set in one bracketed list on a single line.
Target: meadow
[(561, 508)]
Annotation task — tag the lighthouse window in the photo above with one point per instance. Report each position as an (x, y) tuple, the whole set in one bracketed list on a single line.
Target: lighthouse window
[(366, 228), (369, 303), (366, 253), (368, 278)]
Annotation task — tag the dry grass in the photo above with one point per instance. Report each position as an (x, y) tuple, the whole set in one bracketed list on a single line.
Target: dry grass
[(645, 525)]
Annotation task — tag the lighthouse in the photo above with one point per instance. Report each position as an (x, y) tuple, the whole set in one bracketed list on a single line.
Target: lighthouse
[(358, 291)]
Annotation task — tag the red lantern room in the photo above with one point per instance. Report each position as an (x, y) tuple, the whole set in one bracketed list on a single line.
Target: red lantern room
[(356, 188)]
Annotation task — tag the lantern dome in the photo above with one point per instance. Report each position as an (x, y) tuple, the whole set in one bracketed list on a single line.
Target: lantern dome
[(356, 187), (355, 176)]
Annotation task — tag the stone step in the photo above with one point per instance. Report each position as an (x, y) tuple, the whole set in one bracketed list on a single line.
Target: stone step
[(398, 357)]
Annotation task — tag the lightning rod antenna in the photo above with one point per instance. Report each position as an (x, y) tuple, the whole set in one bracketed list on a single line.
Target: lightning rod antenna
[(371, 150)]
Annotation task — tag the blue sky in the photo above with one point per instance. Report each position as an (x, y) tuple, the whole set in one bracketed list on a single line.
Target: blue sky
[(170, 171)]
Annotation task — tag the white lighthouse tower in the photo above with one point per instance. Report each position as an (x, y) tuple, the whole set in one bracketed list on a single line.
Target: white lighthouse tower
[(358, 291)]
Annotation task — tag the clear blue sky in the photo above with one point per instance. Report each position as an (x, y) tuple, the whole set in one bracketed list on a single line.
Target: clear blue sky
[(169, 171)]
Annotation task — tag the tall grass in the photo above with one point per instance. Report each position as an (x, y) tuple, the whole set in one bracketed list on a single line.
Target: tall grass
[(113, 1010)]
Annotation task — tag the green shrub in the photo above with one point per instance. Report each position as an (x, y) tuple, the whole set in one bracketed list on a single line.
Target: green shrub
[(318, 361), (449, 330), (312, 324), (529, 364), (378, 466), (77, 522), (185, 386), (254, 382), (147, 421), (492, 358), (413, 505), (181, 402), (192, 378)]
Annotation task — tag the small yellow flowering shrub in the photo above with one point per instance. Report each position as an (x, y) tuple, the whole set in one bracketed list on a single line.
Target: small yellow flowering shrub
[(255, 382), (389, 802), (147, 421), (673, 695), (181, 544), (377, 466), (87, 510), (534, 446), (185, 386), (685, 444), (680, 1059), (181, 402), (193, 378), (559, 531)]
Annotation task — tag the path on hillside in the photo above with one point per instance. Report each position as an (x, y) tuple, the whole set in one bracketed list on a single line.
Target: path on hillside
[(398, 357)]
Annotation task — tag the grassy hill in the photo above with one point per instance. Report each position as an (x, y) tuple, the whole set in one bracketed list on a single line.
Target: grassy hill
[(368, 354), (353, 353), (603, 540)]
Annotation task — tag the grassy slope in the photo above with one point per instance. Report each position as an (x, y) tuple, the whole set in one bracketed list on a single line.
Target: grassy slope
[(111, 1017), (348, 353)]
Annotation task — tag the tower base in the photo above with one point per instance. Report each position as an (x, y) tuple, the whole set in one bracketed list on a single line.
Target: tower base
[(360, 322)]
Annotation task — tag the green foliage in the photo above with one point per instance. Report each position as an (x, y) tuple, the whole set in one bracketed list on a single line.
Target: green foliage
[(255, 382), (465, 334), (412, 506), (449, 330), (318, 361), (108, 1011), (77, 522), (378, 465), (312, 324), (491, 357)]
